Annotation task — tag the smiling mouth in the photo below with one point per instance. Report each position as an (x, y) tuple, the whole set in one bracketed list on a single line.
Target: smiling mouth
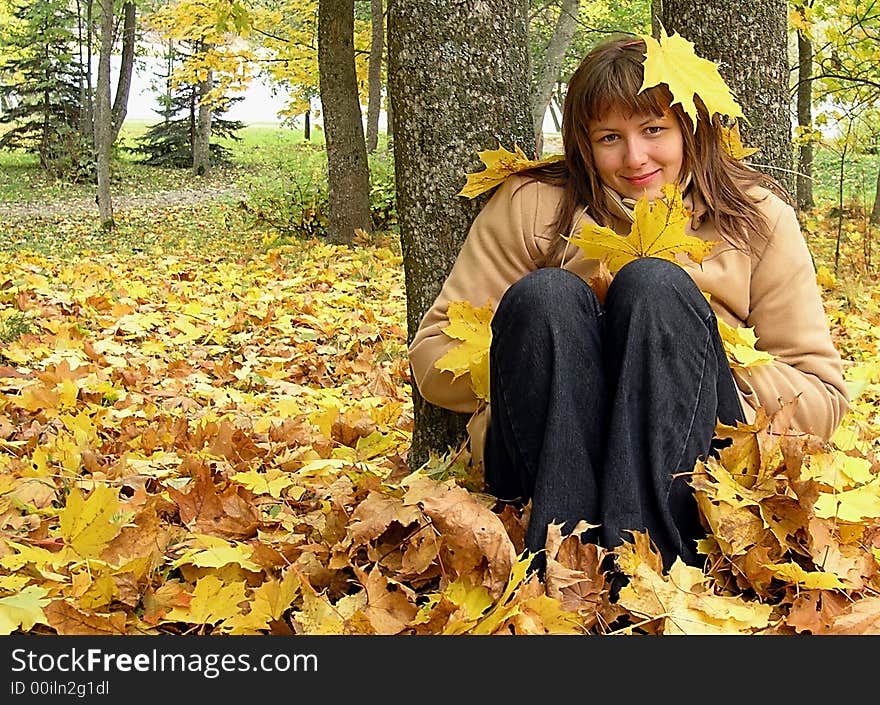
[(637, 180)]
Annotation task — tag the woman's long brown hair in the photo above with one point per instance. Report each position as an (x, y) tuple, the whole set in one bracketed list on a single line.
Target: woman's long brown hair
[(609, 78)]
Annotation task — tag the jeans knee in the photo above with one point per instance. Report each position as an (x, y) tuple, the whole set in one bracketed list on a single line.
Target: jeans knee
[(545, 294), (654, 282)]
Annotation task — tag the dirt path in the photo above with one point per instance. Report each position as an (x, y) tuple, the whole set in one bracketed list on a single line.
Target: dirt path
[(158, 199)]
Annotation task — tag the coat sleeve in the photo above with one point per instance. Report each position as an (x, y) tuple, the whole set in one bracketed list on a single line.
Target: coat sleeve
[(789, 320), (500, 249)]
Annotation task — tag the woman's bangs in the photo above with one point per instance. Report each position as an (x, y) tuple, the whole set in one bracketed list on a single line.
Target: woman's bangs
[(626, 100)]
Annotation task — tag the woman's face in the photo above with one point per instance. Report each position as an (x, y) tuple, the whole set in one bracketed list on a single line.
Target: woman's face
[(637, 154)]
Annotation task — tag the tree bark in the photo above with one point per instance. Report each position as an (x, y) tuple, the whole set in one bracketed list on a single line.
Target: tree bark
[(548, 73), (348, 170), (748, 40), (377, 51), (103, 128), (448, 62), (805, 120), (202, 137), (126, 66)]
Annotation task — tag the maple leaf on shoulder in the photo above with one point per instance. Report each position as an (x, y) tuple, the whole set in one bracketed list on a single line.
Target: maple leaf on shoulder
[(731, 142), (471, 326), (500, 163), (658, 231)]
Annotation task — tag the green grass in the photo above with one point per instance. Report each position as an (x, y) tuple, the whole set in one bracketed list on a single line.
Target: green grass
[(274, 170)]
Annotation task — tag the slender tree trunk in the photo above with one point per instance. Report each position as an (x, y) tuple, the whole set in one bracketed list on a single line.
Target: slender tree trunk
[(103, 128), (548, 72), (805, 120), (348, 171), (202, 138), (748, 39), (90, 101), (389, 109), (377, 18), (126, 66), (875, 211), (448, 62), (307, 126)]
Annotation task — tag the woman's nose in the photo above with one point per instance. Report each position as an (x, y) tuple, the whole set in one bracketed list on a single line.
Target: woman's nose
[(635, 153)]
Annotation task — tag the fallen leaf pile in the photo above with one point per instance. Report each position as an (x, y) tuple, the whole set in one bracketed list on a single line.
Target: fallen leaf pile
[(214, 443)]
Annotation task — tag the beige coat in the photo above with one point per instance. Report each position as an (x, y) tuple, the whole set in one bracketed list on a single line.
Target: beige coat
[(773, 290)]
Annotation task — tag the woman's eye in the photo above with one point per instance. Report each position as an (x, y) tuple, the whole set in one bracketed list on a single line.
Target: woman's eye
[(608, 138), (654, 129)]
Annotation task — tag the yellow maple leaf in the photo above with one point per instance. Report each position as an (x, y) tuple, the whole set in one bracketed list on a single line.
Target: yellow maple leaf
[(500, 163), (672, 61), (472, 327), (731, 142), (739, 344), (683, 603), (212, 601), (812, 580), (852, 506), (658, 231), (87, 526), (23, 610)]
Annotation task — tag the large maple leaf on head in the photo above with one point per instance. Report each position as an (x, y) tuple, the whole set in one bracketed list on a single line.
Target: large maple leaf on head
[(672, 61), (658, 231)]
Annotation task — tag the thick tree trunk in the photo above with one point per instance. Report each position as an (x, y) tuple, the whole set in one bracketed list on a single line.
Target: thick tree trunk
[(202, 137), (748, 39), (377, 17), (448, 62), (126, 66), (805, 120), (548, 73), (348, 170), (103, 128)]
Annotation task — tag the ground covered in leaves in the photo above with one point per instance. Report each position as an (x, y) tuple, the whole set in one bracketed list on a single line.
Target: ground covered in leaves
[(209, 435)]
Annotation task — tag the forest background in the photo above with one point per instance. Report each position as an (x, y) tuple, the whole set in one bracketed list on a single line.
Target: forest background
[(206, 414)]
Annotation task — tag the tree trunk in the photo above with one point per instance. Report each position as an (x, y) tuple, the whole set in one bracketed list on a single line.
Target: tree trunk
[(875, 211), (805, 120), (448, 62), (202, 137), (307, 126), (748, 40), (103, 128), (389, 109), (377, 18), (126, 66), (656, 17), (348, 170), (548, 73)]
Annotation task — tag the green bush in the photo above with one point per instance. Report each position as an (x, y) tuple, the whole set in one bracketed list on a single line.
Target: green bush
[(294, 203)]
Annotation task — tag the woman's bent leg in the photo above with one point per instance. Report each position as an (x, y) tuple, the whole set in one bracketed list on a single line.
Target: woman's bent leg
[(547, 393), (669, 384)]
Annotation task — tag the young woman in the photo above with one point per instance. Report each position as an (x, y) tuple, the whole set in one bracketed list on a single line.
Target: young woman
[(600, 408)]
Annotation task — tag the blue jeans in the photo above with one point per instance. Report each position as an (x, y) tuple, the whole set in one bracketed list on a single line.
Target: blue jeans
[(600, 412)]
